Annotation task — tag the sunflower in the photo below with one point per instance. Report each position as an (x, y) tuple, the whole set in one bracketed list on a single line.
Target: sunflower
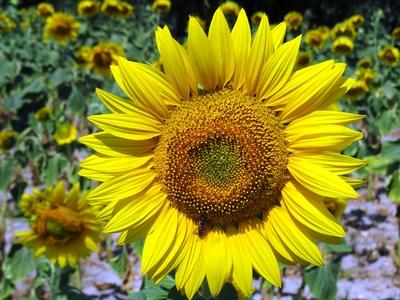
[(83, 55), (222, 161), (345, 29), (357, 89), (303, 59), (293, 20), (6, 24), (88, 8), (65, 229), (365, 63), (103, 55), (343, 46), (45, 9), (256, 17), (390, 55), (315, 38), (125, 10), (29, 204), (230, 8), (61, 27), (43, 114), (7, 139), (110, 7), (356, 20), (161, 5), (396, 33), (65, 134), (367, 75)]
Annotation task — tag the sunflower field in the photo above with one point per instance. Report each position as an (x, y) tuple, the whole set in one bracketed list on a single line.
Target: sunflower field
[(175, 149)]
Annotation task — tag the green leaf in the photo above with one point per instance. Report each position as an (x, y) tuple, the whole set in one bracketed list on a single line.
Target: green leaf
[(7, 172), (76, 101), (343, 247), (394, 187), (387, 121), (390, 151), (118, 263), (54, 167), (137, 295), (158, 291), (36, 86), (20, 265), (13, 102), (388, 89), (6, 289), (322, 280), (59, 76)]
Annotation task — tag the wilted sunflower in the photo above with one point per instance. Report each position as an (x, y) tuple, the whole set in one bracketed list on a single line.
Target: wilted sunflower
[(6, 24), (88, 8), (343, 46), (357, 89), (65, 134), (293, 20), (61, 27), (45, 9), (65, 229), (390, 55), (161, 5), (103, 55), (221, 162)]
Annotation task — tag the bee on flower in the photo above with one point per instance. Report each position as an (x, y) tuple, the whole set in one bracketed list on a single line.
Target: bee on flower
[(390, 55), (63, 227), (293, 20)]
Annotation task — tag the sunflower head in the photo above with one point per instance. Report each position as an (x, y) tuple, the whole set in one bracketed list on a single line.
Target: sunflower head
[(356, 20), (161, 5), (390, 55), (365, 63), (344, 29), (30, 204), (82, 56), (256, 17), (303, 59), (358, 89), (6, 24), (315, 38), (293, 20), (366, 74), (65, 134), (125, 9), (45, 9), (230, 8), (61, 28), (43, 114), (396, 33), (63, 227), (103, 55), (222, 160), (88, 8), (343, 46), (8, 139)]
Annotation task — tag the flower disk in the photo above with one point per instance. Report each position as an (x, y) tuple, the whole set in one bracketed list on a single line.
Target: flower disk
[(222, 158)]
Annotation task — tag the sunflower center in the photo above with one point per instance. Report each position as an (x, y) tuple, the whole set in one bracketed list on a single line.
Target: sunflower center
[(222, 158), (102, 59), (58, 225), (62, 29)]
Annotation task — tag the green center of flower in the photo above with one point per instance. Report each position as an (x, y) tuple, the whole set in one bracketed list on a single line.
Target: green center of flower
[(222, 158)]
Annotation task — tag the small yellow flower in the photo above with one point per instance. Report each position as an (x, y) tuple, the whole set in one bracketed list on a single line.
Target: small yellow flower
[(65, 134), (356, 20), (230, 8), (344, 29), (125, 10), (82, 56), (61, 27), (43, 114), (29, 204), (293, 20), (161, 5), (343, 45), (7, 139), (45, 9), (64, 229), (390, 55), (315, 38), (103, 55), (367, 75), (24, 25), (357, 89), (256, 17), (365, 63), (6, 24), (303, 59), (396, 33), (88, 8)]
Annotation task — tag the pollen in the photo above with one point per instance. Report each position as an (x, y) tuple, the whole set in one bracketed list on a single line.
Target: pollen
[(222, 158)]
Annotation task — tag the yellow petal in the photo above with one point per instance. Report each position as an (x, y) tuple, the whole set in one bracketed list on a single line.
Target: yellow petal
[(122, 186), (319, 180), (116, 72), (261, 49), (58, 193), (95, 175), (278, 34), (310, 210), (219, 261), (354, 182), (143, 86), (221, 41), (262, 257), (241, 38), (278, 69), (334, 162), (136, 233), (322, 137), (106, 164), (293, 237), (90, 243), (62, 260), (128, 126), (176, 63), (110, 145), (116, 104), (202, 56), (136, 209)]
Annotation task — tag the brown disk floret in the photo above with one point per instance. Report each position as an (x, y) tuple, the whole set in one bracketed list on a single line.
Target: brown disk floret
[(222, 158)]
